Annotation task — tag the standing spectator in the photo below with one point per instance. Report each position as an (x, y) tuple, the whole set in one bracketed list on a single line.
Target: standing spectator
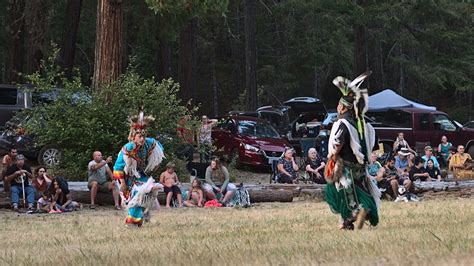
[(61, 195), (8, 161), (418, 172), (315, 167), (18, 175), (443, 150), (429, 156), (400, 143), (170, 182), (287, 168), (433, 171), (218, 181), (401, 160), (41, 180), (205, 138), (97, 171), (458, 160)]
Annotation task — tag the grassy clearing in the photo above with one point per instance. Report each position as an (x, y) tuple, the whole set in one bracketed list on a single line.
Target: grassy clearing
[(431, 232)]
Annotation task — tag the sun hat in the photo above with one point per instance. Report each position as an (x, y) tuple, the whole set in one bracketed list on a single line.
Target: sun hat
[(404, 152)]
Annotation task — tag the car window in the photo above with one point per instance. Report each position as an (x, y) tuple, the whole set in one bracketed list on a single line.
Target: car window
[(424, 122), (442, 122), (8, 96), (257, 129), (398, 118)]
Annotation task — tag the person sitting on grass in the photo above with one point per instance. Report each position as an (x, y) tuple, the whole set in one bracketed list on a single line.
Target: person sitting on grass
[(45, 204), (418, 171), (218, 181), (18, 176), (97, 171), (287, 168), (195, 195), (170, 181), (315, 167), (434, 172), (61, 195)]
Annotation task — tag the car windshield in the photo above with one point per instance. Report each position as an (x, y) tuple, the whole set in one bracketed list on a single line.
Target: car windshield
[(257, 129)]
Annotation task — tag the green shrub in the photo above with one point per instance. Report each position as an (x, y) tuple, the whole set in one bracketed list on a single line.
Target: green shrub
[(82, 120)]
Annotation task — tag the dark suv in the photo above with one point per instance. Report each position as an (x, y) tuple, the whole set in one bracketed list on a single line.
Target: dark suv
[(12, 100), (248, 140)]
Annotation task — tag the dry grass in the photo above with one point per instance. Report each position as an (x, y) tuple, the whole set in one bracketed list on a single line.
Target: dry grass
[(432, 232)]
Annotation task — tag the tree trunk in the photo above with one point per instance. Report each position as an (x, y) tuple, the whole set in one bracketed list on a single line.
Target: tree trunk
[(14, 30), (188, 60), (71, 22), (109, 43), (360, 43), (250, 55), (164, 68), (36, 24)]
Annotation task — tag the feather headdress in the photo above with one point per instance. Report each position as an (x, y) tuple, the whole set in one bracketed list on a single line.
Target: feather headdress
[(354, 98), (138, 124)]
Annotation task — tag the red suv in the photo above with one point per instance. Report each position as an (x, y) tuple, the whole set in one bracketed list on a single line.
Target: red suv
[(248, 140)]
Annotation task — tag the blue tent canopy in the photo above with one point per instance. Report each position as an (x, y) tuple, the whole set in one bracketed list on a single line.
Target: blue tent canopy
[(388, 99)]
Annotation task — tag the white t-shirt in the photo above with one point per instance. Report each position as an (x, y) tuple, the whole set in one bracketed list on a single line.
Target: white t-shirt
[(100, 175)]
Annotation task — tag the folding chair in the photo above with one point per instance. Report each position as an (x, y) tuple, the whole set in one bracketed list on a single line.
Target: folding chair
[(197, 170)]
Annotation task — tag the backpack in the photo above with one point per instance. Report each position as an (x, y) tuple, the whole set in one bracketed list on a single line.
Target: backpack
[(241, 198)]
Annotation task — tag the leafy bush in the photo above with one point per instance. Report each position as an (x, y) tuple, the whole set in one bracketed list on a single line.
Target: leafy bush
[(82, 120)]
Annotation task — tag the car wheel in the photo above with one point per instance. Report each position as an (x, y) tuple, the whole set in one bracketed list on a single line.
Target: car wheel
[(49, 155), (471, 151), (235, 159)]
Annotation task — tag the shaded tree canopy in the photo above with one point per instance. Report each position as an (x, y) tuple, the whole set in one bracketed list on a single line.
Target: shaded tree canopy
[(421, 49)]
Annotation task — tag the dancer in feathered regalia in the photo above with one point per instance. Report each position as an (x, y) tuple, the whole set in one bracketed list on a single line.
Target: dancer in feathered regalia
[(349, 191), (137, 159)]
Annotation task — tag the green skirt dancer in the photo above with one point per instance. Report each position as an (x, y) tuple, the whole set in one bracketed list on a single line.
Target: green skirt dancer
[(348, 202), (350, 191)]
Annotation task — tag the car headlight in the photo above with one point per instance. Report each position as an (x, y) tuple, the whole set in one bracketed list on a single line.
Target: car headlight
[(251, 148)]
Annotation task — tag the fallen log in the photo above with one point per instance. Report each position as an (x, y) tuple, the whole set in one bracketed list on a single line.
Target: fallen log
[(443, 186)]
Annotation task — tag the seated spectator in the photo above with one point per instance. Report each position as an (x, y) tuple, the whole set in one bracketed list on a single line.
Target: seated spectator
[(375, 168), (418, 171), (8, 161), (41, 180), (59, 190), (218, 181), (18, 175), (287, 168), (315, 167), (429, 156), (401, 161), (452, 151), (97, 171), (170, 182), (195, 195), (400, 143), (411, 161), (45, 204), (390, 179), (458, 160), (443, 150), (435, 173)]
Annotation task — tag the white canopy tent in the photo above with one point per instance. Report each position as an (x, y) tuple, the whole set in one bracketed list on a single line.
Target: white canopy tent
[(388, 99)]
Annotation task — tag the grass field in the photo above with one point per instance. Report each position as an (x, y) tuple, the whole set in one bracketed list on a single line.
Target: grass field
[(439, 232)]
